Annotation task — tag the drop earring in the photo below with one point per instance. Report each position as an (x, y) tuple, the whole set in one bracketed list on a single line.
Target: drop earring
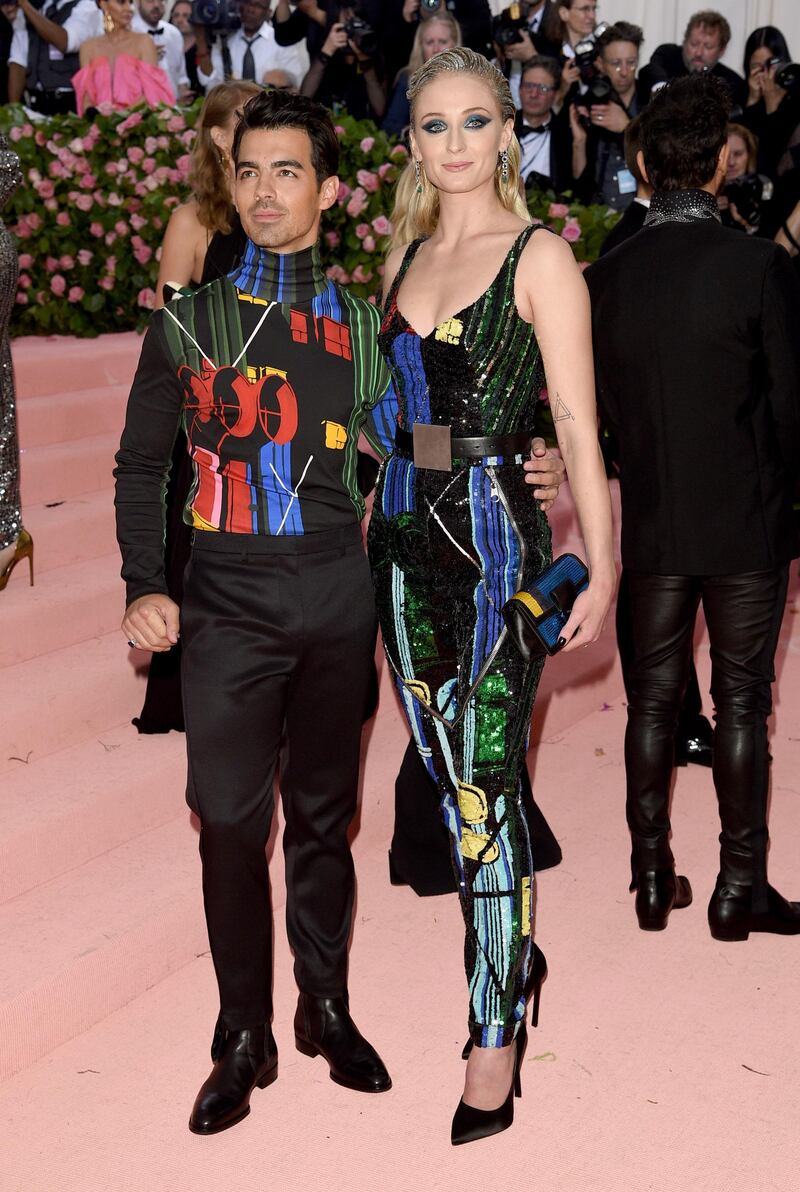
[(108, 22), (418, 175), (504, 165)]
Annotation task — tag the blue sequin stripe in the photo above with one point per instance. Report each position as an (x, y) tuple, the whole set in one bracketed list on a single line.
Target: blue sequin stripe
[(498, 552), (407, 355)]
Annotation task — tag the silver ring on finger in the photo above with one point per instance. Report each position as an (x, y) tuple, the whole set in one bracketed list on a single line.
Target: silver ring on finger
[(133, 645)]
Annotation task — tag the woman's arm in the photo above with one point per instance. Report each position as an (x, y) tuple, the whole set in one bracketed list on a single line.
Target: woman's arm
[(552, 294), (179, 264)]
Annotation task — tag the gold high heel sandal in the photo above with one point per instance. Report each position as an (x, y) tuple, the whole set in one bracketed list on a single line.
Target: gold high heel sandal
[(23, 550)]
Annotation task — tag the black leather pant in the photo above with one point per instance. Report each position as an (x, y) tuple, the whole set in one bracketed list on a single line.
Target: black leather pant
[(743, 614)]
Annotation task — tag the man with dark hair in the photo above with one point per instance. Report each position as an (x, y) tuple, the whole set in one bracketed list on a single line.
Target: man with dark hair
[(44, 53), (698, 374), (599, 123), (274, 371), (704, 42), (544, 137)]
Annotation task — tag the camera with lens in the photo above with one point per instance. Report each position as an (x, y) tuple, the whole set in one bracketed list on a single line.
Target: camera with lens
[(362, 35), (587, 52), (787, 75), (749, 194), (508, 27), (426, 7), (217, 16)]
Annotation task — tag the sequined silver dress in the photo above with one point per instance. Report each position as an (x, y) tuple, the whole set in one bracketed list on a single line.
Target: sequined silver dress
[(10, 517)]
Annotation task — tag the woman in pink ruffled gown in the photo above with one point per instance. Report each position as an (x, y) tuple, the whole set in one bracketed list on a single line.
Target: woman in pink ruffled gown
[(120, 67)]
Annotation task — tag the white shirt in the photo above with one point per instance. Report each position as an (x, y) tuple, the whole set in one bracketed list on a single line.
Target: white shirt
[(169, 43), (267, 55), (516, 67), (535, 153), (83, 22)]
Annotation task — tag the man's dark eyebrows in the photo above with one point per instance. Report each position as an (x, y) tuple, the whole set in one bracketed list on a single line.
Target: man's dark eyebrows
[(289, 161), (246, 165)]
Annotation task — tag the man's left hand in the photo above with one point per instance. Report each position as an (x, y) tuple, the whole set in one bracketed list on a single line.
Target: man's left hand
[(522, 50), (545, 469), (610, 116)]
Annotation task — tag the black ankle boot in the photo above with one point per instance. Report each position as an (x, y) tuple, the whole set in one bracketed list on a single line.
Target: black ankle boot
[(242, 1060), (323, 1026), (659, 891), (731, 917)]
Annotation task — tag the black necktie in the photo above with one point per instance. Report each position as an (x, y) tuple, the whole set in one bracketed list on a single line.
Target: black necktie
[(249, 62), (155, 32)]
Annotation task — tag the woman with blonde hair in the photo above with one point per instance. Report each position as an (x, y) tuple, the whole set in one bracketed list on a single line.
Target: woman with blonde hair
[(434, 34), (210, 209), (477, 301)]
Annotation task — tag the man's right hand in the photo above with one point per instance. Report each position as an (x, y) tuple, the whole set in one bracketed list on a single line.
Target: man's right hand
[(152, 623), (336, 40)]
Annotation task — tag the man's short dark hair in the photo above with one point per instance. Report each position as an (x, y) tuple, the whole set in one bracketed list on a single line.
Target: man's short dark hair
[(633, 147), (543, 62), (715, 22), (621, 31), (683, 130), (272, 110)]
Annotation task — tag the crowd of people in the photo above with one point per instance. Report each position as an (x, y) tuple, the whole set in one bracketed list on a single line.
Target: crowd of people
[(259, 372)]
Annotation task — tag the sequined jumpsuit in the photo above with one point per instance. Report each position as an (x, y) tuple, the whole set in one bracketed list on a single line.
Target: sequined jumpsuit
[(447, 550), (10, 516)]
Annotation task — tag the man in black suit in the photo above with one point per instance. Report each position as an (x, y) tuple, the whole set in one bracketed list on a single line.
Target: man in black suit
[(633, 217), (698, 373), (704, 42), (544, 137)]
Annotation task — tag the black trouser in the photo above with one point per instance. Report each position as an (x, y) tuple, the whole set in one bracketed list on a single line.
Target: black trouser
[(691, 708), (278, 637), (743, 614)]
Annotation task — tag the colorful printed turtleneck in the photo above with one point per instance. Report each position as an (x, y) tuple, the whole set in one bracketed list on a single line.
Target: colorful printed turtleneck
[(280, 277), (274, 371)]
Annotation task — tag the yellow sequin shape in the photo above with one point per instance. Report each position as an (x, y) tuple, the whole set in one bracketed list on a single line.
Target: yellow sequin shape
[(526, 906), (472, 803), (450, 332), (421, 690), (473, 845), (335, 435)]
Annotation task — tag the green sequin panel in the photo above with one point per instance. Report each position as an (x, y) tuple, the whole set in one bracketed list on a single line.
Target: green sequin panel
[(491, 719)]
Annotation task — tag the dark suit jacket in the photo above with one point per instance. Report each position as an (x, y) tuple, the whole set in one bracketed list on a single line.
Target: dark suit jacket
[(667, 63), (560, 153), (697, 359), (631, 222)]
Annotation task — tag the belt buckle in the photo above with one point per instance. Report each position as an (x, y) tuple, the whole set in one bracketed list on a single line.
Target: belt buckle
[(432, 447)]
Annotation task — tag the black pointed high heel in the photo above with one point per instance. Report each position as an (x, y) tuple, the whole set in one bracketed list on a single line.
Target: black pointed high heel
[(533, 990), (470, 1124)]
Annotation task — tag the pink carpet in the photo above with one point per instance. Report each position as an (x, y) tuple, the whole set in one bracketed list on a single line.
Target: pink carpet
[(662, 1062)]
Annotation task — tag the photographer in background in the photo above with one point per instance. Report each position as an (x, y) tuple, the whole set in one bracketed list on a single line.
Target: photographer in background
[(402, 17), (704, 42), (148, 18), (598, 119), (347, 72), (434, 34), (251, 50), (517, 37), (565, 26), (181, 18), (773, 99), (544, 137), (633, 217), (44, 53)]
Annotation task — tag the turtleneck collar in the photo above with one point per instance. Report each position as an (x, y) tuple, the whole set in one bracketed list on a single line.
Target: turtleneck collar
[(280, 277), (682, 206)]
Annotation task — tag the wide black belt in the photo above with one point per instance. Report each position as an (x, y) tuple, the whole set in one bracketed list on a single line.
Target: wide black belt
[(450, 447)]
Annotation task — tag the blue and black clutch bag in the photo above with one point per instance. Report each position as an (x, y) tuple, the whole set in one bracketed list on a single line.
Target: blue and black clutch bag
[(536, 616)]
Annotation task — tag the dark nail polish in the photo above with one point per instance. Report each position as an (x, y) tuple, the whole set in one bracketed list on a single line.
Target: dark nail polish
[(562, 641)]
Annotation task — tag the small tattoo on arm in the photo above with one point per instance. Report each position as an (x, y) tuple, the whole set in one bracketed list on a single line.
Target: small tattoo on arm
[(561, 411)]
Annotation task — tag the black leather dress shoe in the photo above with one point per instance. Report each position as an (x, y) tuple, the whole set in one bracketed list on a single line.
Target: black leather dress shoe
[(323, 1026), (659, 891), (242, 1060), (730, 916), (695, 743)]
